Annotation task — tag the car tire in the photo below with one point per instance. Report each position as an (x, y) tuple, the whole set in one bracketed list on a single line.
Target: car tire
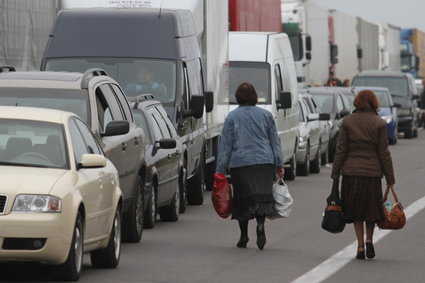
[(317, 162), (408, 134), (304, 168), (133, 220), (171, 212), (325, 158), (109, 257), (71, 269), (196, 185), (332, 149), (183, 190), (150, 213), (291, 172), (415, 133)]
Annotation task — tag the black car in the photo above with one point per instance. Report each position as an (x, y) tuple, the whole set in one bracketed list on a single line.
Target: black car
[(166, 180), (332, 100)]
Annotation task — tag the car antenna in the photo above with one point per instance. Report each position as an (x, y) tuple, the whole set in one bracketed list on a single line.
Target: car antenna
[(160, 10)]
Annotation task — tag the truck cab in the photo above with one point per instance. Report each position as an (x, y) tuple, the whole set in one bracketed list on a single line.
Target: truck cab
[(265, 60)]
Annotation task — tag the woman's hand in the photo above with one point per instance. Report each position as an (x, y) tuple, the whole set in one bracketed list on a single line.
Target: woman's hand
[(280, 172)]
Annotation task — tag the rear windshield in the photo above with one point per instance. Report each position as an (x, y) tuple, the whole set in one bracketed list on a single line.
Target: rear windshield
[(396, 86), (75, 101), (256, 73)]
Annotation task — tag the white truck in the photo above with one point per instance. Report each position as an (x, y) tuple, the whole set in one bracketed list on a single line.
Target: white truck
[(25, 27), (389, 47), (308, 28), (368, 52), (210, 24)]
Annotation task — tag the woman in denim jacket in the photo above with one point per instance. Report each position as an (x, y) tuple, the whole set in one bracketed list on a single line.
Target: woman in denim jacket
[(250, 149)]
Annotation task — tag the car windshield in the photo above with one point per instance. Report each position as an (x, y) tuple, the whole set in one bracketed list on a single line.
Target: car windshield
[(256, 73), (71, 100), (326, 102), (32, 143), (382, 98), (135, 76), (397, 86), (140, 120)]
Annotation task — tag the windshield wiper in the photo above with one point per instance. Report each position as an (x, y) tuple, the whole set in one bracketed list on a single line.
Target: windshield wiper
[(22, 164)]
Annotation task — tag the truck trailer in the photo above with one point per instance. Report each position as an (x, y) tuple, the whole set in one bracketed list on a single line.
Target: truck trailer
[(389, 47), (412, 45), (368, 52)]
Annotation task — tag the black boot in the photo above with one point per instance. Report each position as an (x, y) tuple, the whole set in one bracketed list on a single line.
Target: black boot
[(243, 226), (261, 233)]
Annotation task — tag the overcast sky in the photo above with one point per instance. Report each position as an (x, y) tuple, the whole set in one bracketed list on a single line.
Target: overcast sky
[(402, 13)]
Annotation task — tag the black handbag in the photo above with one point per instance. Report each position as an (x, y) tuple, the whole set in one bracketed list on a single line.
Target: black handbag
[(333, 220)]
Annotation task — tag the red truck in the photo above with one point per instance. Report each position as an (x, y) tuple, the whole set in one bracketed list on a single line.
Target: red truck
[(254, 15)]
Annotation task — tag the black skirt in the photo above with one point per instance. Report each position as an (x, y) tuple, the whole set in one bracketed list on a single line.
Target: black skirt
[(362, 199), (252, 191)]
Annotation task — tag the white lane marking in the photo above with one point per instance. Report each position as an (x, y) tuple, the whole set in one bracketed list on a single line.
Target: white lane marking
[(343, 257)]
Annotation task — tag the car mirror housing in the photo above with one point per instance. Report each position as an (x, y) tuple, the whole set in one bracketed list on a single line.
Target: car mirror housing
[(209, 101), (116, 128), (324, 116), (166, 143), (343, 113), (92, 161), (196, 107), (284, 100)]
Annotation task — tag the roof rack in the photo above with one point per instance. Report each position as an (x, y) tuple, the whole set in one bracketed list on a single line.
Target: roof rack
[(140, 98), (6, 69), (90, 73)]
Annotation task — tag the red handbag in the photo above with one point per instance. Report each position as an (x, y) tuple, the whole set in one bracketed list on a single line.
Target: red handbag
[(221, 195), (394, 219)]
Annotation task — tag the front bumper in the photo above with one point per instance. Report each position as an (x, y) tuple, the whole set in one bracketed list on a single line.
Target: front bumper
[(405, 123), (55, 228)]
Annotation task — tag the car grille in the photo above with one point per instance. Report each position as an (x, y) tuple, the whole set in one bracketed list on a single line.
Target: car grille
[(23, 243), (3, 201)]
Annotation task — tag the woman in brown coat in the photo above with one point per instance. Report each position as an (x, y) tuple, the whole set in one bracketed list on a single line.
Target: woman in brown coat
[(362, 157)]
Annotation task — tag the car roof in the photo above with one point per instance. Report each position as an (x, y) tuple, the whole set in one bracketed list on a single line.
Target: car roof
[(371, 88), (35, 114), (320, 90), (380, 73), (143, 101)]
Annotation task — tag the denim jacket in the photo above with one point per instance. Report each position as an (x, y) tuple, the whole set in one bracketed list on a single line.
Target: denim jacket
[(249, 138)]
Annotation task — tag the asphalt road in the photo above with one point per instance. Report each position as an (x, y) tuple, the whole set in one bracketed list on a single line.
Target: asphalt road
[(200, 247)]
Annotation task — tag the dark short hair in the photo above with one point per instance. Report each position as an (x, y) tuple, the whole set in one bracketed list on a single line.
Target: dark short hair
[(246, 94), (366, 100)]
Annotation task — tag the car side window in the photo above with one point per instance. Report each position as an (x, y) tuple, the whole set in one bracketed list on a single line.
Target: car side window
[(92, 145), (278, 75), (167, 120), (155, 127), (315, 105), (301, 113), (309, 105), (78, 143), (162, 125), (123, 101), (107, 107), (339, 104)]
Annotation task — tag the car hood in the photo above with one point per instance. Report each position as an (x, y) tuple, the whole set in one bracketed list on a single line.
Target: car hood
[(383, 111), (404, 101), (28, 180)]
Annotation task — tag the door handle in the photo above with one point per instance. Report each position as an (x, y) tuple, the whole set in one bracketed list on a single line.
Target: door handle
[(124, 146)]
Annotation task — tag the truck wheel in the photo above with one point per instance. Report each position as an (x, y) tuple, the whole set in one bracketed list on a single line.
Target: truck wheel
[(71, 269), (304, 169), (317, 162), (134, 218), (183, 189), (150, 213), (109, 257), (196, 185), (291, 172), (171, 212)]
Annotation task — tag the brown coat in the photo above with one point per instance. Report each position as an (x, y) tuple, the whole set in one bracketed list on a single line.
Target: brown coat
[(362, 147)]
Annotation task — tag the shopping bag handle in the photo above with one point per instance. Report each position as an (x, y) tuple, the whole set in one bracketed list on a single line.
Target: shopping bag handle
[(384, 199)]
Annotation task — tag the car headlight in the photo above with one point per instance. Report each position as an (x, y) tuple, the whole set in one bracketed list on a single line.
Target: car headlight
[(404, 111), (37, 203), (387, 118)]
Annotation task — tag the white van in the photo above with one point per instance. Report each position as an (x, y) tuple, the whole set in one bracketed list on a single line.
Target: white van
[(265, 60)]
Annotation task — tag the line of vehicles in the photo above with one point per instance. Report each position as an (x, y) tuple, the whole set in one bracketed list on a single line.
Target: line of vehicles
[(135, 149)]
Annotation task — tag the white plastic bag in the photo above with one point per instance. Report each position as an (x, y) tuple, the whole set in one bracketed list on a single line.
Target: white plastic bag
[(282, 200)]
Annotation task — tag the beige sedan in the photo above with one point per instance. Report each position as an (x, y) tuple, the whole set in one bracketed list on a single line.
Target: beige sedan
[(59, 194)]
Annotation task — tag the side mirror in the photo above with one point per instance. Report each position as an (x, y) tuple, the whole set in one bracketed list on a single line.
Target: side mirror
[(284, 100), (166, 143), (397, 105), (415, 96), (343, 113), (359, 53), (116, 128), (324, 116), (92, 161), (308, 55), (196, 107), (308, 43), (312, 117), (209, 101)]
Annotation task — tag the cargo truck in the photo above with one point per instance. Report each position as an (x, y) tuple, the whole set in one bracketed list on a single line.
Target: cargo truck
[(412, 45), (307, 25), (199, 29), (368, 46), (254, 15), (389, 47)]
